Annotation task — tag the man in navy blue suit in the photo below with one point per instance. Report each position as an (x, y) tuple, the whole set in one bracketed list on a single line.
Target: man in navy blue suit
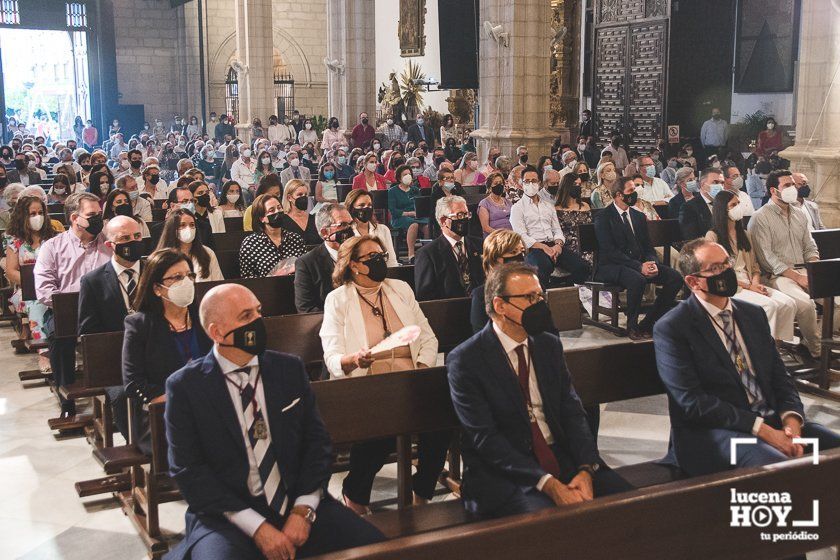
[(526, 442), (724, 376), (248, 448), (626, 258)]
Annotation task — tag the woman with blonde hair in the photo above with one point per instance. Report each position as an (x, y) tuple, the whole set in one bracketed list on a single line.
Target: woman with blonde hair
[(296, 216), (360, 205), (605, 178), (364, 309), (501, 246)]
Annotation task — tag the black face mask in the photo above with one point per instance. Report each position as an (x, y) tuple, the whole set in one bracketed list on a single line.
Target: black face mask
[(524, 159), (552, 190), (536, 319), (131, 251), (123, 210), (341, 235), (203, 200), (302, 203), (274, 220), (153, 179), (362, 214), (364, 121), (95, 224), (516, 258), (87, 167), (498, 190), (3, 181), (575, 191), (20, 165), (460, 227), (234, 154), (250, 338), (377, 268), (136, 164), (583, 177), (631, 199), (724, 284), (804, 191)]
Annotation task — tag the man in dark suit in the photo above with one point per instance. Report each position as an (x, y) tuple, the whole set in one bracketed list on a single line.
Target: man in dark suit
[(724, 376), (22, 171), (449, 266), (313, 271), (248, 448), (686, 186), (626, 258), (526, 442), (106, 294), (421, 132), (696, 214)]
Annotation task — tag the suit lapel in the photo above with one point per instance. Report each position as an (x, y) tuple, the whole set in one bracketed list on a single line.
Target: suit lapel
[(112, 284), (753, 348), (215, 387), (704, 326), (506, 379), (545, 383), (447, 254), (274, 402)]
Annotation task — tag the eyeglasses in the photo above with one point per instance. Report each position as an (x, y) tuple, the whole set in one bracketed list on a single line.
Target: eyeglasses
[(716, 269), (532, 298), (369, 256), (175, 278), (460, 216)]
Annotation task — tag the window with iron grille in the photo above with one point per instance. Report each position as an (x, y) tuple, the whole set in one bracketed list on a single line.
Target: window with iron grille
[(232, 94), (76, 14), (9, 12), (284, 93)]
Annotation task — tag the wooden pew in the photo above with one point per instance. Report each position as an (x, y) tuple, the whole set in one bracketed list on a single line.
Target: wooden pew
[(27, 287), (689, 520), (233, 224), (828, 243), (824, 285), (231, 240)]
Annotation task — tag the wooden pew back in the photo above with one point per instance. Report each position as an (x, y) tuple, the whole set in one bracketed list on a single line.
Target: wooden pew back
[(828, 243)]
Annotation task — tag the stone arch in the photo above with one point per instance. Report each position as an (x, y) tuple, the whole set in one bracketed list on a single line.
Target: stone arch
[(289, 50)]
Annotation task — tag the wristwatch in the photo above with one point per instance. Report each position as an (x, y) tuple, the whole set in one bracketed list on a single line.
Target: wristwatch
[(306, 512), (591, 469)]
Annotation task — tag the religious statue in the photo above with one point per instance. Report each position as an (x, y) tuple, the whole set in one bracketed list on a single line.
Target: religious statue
[(390, 99)]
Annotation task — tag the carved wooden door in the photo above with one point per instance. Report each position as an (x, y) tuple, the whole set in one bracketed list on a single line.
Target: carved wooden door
[(630, 70)]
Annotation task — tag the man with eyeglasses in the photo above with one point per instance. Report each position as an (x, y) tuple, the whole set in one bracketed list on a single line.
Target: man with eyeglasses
[(535, 219), (696, 214), (724, 376), (313, 271), (449, 266), (527, 443), (62, 261)]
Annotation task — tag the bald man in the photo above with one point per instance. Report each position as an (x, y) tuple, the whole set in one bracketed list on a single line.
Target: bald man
[(106, 294), (248, 448)]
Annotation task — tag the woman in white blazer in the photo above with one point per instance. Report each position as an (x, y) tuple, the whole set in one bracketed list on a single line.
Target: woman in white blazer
[(364, 309), (360, 205)]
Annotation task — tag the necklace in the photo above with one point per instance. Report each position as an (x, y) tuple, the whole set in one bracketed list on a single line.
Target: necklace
[(378, 311)]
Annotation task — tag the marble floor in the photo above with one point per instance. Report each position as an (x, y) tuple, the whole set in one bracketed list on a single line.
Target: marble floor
[(42, 518)]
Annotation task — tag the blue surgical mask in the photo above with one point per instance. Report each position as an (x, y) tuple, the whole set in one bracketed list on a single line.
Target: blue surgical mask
[(328, 175), (692, 186), (342, 160), (714, 189), (189, 206), (133, 195), (650, 170)]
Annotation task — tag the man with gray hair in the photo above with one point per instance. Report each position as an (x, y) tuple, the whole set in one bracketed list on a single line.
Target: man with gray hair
[(449, 266), (62, 261), (685, 186), (313, 271)]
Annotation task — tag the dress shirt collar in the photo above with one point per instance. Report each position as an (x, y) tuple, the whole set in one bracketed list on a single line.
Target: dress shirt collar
[(452, 241), (706, 198), (333, 253), (119, 269), (714, 310), (227, 366), (508, 343)]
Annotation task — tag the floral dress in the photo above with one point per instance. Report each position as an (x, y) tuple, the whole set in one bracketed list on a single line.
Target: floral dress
[(569, 222), (38, 314)]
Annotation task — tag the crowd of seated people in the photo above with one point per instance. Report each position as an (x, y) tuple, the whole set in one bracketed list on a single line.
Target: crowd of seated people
[(308, 208)]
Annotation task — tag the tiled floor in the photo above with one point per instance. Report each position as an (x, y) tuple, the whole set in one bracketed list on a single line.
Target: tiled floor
[(42, 518)]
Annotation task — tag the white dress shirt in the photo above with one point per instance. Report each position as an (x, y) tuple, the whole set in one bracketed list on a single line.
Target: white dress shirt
[(248, 520), (536, 222), (243, 173), (657, 191), (509, 345), (629, 216), (717, 324), (123, 278)]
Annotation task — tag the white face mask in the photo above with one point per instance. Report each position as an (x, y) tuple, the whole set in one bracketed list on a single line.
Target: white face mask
[(371, 167), (266, 160), (294, 162), (407, 179), (789, 195), (390, 122), (35, 222), (530, 189), (181, 293), (59, 190), (735, 214), (308, 126), (232, 197), (738, 182), (186, 235), (246, 153)]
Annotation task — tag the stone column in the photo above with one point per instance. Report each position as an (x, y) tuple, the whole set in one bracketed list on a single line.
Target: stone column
[(816, 151), (514, 92), (351, 53), (255, 55)]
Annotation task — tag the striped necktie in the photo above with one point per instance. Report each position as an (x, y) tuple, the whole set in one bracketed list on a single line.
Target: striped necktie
[(275, 493), (748, 380), (130, 285)]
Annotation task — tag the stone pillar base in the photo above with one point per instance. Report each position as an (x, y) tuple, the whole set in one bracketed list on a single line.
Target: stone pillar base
[(243, 132), (538, 142), (820, 165)]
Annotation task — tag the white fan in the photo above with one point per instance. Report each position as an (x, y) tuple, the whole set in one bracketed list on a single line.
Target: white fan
[(497, 33)]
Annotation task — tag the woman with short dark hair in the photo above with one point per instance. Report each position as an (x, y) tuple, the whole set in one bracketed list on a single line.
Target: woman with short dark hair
[(270, 243)]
